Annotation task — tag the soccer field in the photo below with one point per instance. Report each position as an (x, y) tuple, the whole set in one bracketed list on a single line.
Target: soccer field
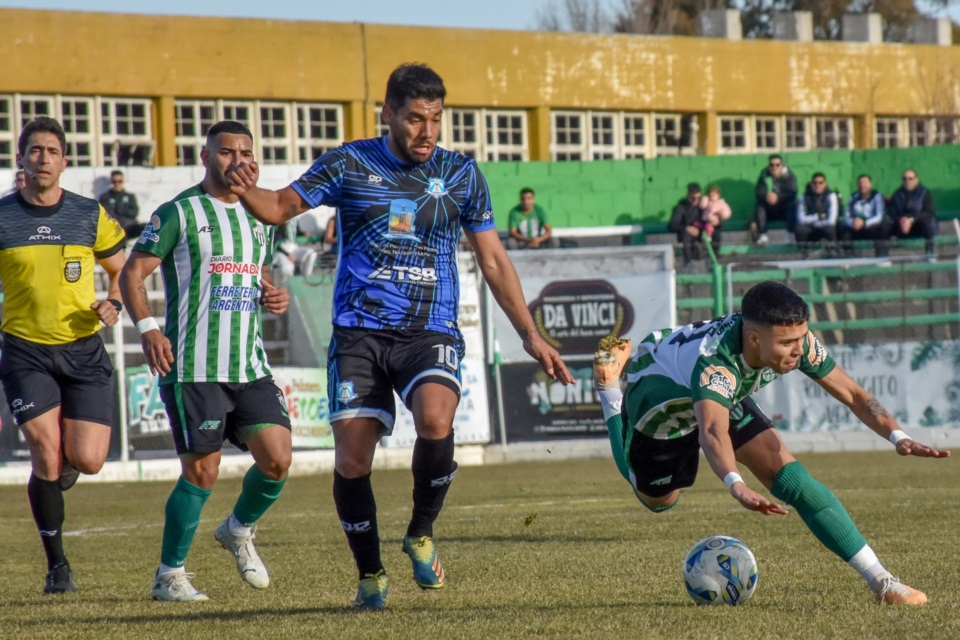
[(560, 550)]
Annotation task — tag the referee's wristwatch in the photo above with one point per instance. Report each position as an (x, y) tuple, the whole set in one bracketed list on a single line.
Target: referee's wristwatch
[(116, 304)]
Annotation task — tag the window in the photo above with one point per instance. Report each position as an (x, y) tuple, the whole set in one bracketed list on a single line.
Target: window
[(274, 133), (767, 133), (568, 136), (506, 135), (920, 132), (946, 130), (465, 131), (675, 134), (126, 132), (319, 130), (634, 136), (833, 133), (887, 133), (796, 133), (284, 132), (33, 106), (603, 136), (733, 134), (8, 136), (77, 120)]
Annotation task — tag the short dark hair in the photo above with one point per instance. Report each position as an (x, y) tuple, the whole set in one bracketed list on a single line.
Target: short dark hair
[(413, 81), (693, 187), (775, 156), (20, 172), (526, 190), (45, 124), (818, 175), (228, 126), (864, 175), (115, 173), (772, 304)]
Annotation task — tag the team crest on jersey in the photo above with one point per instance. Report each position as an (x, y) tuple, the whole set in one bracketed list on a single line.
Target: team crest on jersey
[(817, 351), (719, 380), (436, 188), (346, 393), (149, 233), (768, 375), (403, 215), (72, 269), (260, 234)]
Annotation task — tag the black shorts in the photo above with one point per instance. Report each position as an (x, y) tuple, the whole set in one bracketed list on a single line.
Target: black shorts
[(77, 377), (365, 367), (205, 414), (662, 466)]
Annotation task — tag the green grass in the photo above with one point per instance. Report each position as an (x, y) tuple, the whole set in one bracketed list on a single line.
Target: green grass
[(558, 550)]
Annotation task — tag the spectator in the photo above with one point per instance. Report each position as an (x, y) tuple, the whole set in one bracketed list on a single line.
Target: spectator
[(19, 182), (330, 237), (863, 218), (529, 227), (776, 198), (685, 216), (122, 205), (817, 213), (714, 212), (911, 212), (289, 256)]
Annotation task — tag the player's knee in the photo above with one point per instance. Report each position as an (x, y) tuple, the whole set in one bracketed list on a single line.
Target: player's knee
[(276, 468), (201, 475), (353, 466), (658, 504), (88, 465)]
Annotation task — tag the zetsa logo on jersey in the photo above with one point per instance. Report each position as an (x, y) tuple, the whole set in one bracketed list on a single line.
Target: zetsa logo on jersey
[(424, 275), (719, 380), (226, 265), (817, 351)]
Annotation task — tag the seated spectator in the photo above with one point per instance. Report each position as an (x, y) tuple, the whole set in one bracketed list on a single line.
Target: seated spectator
[(863, 218), (817, 214), (529, 227), (19, 182), (685, 216), (290, 257), (714, 212), (330, 238), (776, 198), (911, 212), (122, 205)]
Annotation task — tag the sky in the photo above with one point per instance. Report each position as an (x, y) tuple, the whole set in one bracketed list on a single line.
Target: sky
[(482, 14), (486, 14)]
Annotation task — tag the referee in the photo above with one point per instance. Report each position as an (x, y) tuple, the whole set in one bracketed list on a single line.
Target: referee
[(55, 371)]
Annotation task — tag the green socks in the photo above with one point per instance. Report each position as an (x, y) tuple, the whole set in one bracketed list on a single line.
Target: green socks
[(182, 518), (258, 494), (819, 509)]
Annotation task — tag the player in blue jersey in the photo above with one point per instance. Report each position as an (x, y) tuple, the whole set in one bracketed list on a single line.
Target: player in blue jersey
[(402, 203)]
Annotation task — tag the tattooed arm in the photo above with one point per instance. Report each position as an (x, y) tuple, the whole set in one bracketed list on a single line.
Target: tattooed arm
[(873, 414)]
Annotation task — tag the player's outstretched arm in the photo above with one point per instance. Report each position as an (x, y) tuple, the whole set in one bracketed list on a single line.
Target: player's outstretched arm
[(873, 414), (267, 206), (502, 278), (714, 422), (156, 346)]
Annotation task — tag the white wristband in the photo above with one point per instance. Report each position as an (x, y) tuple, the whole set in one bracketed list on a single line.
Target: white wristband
[(147, 324), (898, 435), (731, 478)]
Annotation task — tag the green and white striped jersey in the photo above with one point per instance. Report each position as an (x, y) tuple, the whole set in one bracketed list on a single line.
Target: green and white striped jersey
[(673, 369), (213, 254)]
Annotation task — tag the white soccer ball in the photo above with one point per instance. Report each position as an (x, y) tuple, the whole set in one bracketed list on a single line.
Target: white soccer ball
[(720, 570)]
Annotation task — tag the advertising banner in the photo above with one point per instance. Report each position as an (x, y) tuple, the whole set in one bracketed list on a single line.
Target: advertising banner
[(918, 382)]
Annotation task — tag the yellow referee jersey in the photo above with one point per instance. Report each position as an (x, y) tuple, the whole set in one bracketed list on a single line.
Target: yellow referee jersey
[(47, 256)]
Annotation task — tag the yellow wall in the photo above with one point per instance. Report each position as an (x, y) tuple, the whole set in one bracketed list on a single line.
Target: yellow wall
[(149, 56)]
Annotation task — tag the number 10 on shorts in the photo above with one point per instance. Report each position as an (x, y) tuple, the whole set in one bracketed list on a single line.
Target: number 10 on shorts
[(447, 356)]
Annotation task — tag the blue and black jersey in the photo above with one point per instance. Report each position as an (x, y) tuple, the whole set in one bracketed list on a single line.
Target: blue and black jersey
[(399, 228)]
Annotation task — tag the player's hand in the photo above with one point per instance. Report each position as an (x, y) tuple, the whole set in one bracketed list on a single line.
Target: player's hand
[(158, 351), (242, 177), (107, 313), (274, 299), (753, 501), (548, 358), (908, 447)]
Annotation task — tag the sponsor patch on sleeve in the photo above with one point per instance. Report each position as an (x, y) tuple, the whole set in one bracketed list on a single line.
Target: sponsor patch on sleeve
[(818, 353), (719, 380)]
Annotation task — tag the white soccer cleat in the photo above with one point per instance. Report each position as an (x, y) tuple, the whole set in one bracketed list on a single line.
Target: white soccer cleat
[(609, 360), (176, 587), (249, 565), (892, 591)]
